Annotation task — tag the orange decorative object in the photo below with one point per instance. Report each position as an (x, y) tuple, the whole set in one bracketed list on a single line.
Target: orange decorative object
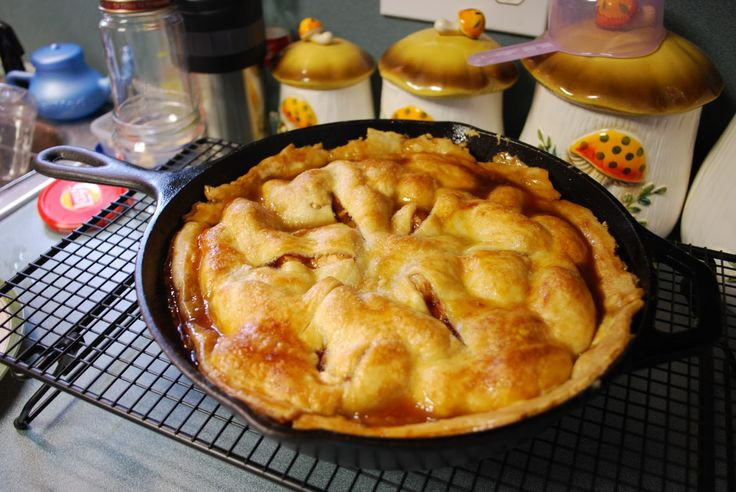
[(472, 22), (411, 113), (613, 14), (309, 26), (298, 112), (610, 155)]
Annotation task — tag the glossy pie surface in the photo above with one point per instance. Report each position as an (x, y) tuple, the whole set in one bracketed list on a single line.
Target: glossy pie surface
[(396, 287)]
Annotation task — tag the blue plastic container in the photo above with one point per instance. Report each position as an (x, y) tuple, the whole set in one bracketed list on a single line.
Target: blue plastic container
[(64, 86)]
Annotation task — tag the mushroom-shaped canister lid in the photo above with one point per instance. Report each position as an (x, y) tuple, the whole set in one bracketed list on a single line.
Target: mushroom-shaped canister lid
[(675, 78), (433, 62), (320, 61)]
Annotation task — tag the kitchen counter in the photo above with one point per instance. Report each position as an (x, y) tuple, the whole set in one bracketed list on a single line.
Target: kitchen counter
[(73, 445)]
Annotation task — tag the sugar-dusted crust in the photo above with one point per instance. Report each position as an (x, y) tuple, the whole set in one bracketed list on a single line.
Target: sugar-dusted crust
[(396, 287)]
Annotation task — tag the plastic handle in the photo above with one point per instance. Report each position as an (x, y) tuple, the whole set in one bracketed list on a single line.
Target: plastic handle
[(102, 169), (652, 345), (19, 78), (513, 52)]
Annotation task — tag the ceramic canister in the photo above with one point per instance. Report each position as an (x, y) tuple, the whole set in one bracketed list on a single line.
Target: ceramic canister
[(323, 79), (707, 218), (708, 215), (630, 123), (426, 75)]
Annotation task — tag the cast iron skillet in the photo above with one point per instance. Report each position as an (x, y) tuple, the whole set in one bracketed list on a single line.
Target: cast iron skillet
[(175, 192)]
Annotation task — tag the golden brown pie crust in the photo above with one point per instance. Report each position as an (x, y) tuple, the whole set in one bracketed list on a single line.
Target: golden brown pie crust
[(396, 287)]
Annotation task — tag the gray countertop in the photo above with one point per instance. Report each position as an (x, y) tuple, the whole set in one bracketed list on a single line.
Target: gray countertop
[(73, 445)]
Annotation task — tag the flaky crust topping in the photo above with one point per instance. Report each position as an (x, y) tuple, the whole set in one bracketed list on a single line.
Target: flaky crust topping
[(396, 287)]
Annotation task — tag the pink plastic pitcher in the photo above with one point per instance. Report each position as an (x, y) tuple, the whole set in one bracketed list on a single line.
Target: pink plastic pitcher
[(613, 28)]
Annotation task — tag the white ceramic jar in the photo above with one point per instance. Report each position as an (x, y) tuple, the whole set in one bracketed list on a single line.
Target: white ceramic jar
[(426, 75), (708, 217), (483, 111), (323, 79), (630, 123)]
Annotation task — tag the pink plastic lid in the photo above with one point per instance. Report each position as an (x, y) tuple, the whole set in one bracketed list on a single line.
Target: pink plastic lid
[(65, 205), (617, 28), (609, 28)]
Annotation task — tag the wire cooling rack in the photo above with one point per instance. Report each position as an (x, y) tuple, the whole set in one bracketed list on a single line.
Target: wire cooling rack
[(76, 327)]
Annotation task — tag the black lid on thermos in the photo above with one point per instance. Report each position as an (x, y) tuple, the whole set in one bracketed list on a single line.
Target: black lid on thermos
[(10, 49), (223, 35)]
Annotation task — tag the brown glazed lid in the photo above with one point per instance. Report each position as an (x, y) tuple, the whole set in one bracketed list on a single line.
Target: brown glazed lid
[(321, 62), (675, 78), (431, 63)]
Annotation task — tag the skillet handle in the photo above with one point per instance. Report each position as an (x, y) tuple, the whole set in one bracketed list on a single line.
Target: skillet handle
[(653, 345), (99, 168)]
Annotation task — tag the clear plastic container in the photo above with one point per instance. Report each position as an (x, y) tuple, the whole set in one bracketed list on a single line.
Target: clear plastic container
[(150, 131), (101, 128), (17, 124), (155, 112)]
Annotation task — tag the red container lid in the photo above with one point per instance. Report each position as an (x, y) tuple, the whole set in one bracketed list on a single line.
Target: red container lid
[(65, 205)]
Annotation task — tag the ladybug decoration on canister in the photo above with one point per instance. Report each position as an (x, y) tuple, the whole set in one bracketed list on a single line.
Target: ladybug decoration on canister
[(610, 156)]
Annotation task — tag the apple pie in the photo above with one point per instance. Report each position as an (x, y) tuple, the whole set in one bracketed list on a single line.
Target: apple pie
[(397, 287)]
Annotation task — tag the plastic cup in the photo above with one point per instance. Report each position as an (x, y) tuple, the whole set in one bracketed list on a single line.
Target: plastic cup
[(17, 122)]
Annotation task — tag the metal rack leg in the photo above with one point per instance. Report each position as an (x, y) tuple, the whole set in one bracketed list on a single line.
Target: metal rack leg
[(39, 400), (32, 407)]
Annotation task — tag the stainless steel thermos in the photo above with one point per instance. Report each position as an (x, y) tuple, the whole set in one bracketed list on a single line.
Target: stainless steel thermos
[(225, 41)]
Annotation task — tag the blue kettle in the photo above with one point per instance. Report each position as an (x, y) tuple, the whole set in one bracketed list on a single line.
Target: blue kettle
[(64, 86)]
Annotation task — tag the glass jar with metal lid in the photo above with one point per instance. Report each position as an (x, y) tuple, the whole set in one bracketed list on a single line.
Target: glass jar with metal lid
[(155, 109)]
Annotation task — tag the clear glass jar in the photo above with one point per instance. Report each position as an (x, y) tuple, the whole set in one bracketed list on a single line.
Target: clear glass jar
[(155, 112)]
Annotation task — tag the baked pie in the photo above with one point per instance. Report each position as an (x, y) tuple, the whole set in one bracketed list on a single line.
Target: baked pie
[(396, 287)]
